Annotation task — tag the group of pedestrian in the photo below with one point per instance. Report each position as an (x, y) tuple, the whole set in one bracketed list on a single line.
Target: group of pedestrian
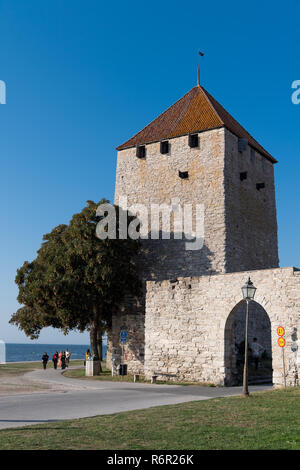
[(61, 359)]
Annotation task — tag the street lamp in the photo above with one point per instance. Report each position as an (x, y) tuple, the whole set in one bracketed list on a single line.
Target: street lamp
[(248, 294)]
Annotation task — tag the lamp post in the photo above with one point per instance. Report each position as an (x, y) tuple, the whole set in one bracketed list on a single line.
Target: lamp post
[(248, 294)]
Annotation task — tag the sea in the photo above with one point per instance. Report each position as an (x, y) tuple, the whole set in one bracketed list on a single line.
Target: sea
[(18, 352)]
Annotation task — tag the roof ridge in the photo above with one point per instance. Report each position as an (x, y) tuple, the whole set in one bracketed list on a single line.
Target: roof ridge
[(205, 93)]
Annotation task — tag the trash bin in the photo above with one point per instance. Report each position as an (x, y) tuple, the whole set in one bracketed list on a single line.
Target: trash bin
[(123, 369)]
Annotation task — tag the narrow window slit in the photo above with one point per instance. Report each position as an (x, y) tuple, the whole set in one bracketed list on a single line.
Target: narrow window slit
[(183, 174), (141, 151), (164, 147), (193, 140)]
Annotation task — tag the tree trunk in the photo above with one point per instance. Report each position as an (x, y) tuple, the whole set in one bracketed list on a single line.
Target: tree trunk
[(94, 345), (94, 337), (93, 341)]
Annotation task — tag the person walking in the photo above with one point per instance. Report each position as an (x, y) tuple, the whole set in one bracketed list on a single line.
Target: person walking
[(68, 357), (55, 359), (45, 359), (63, 360), (59, 359)]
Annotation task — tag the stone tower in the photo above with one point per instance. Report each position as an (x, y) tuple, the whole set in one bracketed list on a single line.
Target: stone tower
[(197, 153)]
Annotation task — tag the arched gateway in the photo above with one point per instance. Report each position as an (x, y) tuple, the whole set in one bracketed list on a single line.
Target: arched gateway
[(259, 345)]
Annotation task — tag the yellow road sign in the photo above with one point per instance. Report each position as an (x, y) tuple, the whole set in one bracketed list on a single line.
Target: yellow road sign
[(281, 342), (280, 331)]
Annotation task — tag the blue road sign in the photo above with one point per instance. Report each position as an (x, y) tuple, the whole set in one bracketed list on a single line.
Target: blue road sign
[(123, 334), (123, 340)]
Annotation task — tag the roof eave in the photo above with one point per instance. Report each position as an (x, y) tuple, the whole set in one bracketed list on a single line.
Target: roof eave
[(125, 147)]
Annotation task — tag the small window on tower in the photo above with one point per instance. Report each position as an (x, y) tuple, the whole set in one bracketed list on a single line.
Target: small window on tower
[(164, 147), (141, 151), (260, 186), (243, 175), (242, 144), (183, 174), (193, 140)]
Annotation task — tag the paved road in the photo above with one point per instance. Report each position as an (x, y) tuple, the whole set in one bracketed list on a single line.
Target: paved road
[(81, 399)]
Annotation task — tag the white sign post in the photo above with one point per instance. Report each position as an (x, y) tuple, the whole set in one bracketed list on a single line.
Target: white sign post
[(281, 344), (2, 352)]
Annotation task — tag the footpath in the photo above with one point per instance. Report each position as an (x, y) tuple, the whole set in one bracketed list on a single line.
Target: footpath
[(61, 398)]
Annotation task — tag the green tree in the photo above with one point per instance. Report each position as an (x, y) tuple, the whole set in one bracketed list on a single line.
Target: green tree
[(77, 281)]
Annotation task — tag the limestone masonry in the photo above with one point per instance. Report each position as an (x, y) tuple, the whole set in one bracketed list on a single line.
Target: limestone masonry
[(189, 323)]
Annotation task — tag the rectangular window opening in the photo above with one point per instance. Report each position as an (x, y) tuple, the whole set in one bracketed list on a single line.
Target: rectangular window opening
[(260, 186), (243, 175), (141, 151), (193, 140), (164, 147), (183, 174)]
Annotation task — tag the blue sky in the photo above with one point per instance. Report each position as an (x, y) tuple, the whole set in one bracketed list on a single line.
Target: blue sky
[(82, 77)]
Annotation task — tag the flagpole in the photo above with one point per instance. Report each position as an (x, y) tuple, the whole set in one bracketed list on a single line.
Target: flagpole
[(201, 54)]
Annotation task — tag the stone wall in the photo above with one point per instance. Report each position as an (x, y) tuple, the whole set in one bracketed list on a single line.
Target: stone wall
[(155, 180), (251, 222), (132, 319), (240, 224), (188, 323)]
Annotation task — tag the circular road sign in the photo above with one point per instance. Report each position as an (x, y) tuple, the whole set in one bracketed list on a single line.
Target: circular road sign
[(280, 331), (123, 334), (281, 342)]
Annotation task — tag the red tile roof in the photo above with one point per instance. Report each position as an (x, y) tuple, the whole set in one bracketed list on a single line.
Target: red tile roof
[(196, 111)]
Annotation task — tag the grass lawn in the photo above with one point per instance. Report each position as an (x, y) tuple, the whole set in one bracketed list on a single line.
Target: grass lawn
[(266, 420)]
